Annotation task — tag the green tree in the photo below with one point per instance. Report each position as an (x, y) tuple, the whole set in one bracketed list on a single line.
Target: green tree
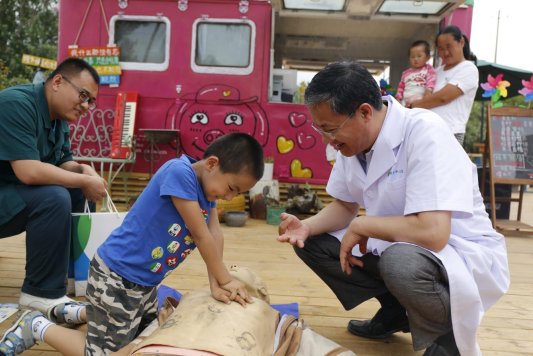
[(26, 26), (6, 79), (473, 133)]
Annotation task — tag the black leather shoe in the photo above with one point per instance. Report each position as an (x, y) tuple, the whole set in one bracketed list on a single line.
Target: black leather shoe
[(382, 325), (444, 346)]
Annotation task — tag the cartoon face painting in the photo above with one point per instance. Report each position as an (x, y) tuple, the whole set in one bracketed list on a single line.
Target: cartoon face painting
[(188, 240), (157, 252), (156, 267), (214, 111), (174, 230), (173, 246), (185, 253), (171, 261)]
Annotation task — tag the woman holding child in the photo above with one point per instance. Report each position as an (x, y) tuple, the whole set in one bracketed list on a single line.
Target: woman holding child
[(457, 82)]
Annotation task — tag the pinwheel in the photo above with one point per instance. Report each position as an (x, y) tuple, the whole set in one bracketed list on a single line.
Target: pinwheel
[(527, 90), (495, 88), (386, 89)]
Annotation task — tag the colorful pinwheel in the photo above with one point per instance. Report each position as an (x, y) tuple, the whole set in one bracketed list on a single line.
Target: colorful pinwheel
[(386, 88), (495, 88), (527, 90)]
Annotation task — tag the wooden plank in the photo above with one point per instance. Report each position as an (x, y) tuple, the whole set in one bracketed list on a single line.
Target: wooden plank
[(507, 328), (514, 227)]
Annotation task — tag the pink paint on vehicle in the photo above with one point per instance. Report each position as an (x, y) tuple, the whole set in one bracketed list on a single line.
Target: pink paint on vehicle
[(203, 67)]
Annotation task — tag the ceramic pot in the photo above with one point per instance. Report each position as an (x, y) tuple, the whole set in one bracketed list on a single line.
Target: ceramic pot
[(235, 218)]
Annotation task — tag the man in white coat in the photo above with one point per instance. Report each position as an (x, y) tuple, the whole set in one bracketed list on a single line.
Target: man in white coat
[(426, 248)]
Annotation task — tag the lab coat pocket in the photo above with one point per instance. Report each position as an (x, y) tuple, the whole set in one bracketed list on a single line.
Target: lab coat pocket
[(396, 183)]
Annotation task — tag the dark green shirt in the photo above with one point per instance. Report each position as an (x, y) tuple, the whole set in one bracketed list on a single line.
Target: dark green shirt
[(27, 133)]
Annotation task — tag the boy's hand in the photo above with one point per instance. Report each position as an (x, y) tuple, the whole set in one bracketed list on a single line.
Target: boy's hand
[(220, 294), (238, 292)]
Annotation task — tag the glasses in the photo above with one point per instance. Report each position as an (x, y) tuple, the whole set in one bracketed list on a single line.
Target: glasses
[(329, 134), (84, 96)]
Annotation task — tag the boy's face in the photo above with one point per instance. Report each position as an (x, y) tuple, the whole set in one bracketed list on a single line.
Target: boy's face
[(219, 185), (418, 56)]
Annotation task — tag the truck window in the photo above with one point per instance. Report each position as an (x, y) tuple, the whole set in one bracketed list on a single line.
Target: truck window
[(143, 41), (223, 46)]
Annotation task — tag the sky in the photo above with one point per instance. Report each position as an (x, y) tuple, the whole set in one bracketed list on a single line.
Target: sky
[(514, 44)]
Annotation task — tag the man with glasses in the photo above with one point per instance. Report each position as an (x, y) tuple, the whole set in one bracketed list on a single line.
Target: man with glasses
[(40, 184), (425, 249)]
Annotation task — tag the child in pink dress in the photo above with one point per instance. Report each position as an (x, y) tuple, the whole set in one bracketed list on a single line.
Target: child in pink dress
[(418, 80)]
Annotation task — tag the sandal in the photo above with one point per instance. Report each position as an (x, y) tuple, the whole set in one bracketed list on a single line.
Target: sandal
[(11, 344), (62, 318)]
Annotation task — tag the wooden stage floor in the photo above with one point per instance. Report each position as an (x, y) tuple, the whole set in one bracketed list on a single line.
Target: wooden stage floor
[(507, 328)]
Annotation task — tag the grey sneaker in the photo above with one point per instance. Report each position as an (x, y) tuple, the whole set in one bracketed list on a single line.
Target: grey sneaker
[(11, 344)]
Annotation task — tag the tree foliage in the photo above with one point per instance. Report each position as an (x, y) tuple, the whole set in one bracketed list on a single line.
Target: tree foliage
[(26, 26)]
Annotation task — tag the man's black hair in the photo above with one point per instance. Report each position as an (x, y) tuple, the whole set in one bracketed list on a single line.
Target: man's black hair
[(345, 86), (72, 67)]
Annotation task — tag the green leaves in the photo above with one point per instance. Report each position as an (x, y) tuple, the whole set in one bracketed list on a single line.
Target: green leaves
[(26, 26)]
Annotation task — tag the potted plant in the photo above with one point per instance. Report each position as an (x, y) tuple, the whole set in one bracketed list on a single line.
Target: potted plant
[(302, 200), (273, 213)]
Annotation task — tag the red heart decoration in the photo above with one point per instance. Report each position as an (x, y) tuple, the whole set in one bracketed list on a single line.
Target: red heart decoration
[(305, 141), (297, 119)]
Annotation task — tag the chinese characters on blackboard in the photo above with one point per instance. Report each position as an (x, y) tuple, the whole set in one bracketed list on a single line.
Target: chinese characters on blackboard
[(512, 147)]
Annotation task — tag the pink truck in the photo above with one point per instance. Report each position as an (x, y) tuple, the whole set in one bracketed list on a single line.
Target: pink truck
[(206, 68)]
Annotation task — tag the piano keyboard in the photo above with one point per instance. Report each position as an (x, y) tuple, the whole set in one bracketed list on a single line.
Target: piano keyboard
[(127, 129), (124, 125)]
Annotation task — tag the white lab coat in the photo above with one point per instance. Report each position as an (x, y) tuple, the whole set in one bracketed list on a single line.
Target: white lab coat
[(417, 165)]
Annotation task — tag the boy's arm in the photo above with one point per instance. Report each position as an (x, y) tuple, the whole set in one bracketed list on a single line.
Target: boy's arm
[(218, 237), (191, 213)]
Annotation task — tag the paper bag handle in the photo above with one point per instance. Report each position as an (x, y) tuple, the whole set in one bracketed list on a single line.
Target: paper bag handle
[(109, 204)]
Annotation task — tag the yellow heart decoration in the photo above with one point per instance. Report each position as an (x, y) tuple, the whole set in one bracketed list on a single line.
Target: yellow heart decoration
[(284, 145), (226, 93), (298, 172)]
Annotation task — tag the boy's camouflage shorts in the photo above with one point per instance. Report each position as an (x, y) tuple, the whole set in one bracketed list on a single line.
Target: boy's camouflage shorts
[(119, 309)]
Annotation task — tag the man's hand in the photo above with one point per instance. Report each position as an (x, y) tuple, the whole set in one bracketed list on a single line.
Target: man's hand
[(238, 292), (349, 240), (292, 230), (94, 188), (88, 170)]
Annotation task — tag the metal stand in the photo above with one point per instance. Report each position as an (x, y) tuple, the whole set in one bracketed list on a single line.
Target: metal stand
[(160, 136)]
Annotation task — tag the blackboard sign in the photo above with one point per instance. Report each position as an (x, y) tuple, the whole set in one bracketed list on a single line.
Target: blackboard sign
[(510, 141), (511, 145)]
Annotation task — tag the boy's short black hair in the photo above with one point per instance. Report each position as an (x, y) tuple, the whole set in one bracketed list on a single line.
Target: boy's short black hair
[(421, 43), (238, 152), (72, 67)]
